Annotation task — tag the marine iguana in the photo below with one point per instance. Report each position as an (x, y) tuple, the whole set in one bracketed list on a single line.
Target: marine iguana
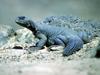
[(52, 35)]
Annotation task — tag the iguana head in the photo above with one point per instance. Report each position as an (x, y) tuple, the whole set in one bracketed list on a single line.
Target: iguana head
[(25, 22), (22, 21)]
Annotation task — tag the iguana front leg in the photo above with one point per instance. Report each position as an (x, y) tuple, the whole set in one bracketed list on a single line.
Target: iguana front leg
[(42, 41)]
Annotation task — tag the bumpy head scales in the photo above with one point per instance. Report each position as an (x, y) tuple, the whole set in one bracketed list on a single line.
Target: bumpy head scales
[(23, 21)]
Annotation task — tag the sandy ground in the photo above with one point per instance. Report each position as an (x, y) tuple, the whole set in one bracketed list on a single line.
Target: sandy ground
[(73, 67), (42, 62)]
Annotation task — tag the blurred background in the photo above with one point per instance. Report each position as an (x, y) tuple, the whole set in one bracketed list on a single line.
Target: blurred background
[(39, 9)]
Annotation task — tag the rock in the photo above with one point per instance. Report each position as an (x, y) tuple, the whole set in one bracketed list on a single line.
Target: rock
[(24, 36), (21, 39), (55, 48), (5, 33), (26, 39)]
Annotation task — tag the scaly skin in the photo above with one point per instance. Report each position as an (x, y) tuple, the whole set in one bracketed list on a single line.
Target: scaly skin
[(86, 30), (52, 35)]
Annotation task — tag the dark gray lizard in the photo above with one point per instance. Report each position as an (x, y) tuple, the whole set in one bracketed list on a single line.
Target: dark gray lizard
[(52, 35)]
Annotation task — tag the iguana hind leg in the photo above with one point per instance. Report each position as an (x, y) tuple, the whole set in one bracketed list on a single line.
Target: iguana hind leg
[(72, 46)]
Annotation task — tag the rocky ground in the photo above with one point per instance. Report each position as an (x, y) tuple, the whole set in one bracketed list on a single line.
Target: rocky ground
[(15, 59)]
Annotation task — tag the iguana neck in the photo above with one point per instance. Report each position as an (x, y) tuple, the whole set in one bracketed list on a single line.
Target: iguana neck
[(33, 26)]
